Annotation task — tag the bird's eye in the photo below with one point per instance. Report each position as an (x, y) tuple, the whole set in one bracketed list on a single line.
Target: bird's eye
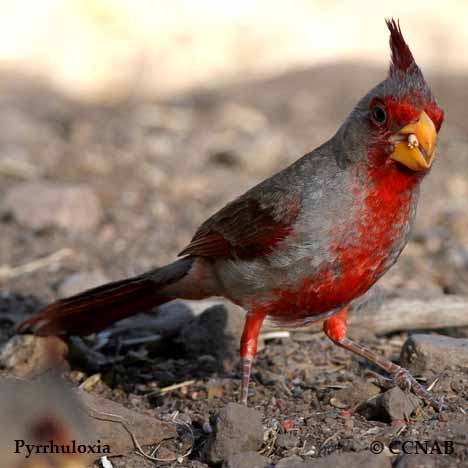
[(379, 115)]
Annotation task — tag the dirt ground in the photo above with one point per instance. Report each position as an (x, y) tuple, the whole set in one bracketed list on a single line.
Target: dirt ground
[(159, 169)]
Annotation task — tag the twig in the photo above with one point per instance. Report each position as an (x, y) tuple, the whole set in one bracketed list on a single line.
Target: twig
[(170, 388), (275, 334), (18, 168), (8, 272), (141, 340), (433, 384), (270, 442), (106, 463)]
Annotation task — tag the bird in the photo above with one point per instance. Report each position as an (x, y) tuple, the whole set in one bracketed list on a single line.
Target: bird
[(306, 243)]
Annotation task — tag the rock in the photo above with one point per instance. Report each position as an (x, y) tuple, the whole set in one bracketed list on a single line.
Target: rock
[(417, 461), (393, 405), (167, 320), (214, 389), (398, 404), (216, 331), (80, 282), (237, 429), (40, 205), (37, 411), (356, 394), (147, 429), (29, 355), (246, 460), (364, 459), (428, 354)]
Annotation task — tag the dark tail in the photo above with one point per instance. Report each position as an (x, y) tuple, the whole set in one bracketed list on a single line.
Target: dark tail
[(97, 308)]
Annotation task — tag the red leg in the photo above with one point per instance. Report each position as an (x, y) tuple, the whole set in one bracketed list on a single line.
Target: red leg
[(248, 349), (335, 329)]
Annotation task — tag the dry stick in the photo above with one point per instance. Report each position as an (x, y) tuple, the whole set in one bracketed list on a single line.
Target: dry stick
[(8, 272), (396, 313), (403, 313), (170, 388)]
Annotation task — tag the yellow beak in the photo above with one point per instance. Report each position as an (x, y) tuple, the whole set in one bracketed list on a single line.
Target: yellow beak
[(415, 144)]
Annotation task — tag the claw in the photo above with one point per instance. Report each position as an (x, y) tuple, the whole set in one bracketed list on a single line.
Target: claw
[(404, 380), (408, 383)]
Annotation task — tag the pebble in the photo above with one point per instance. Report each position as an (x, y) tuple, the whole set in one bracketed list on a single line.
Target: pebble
[(417, 461), (363, 459), (215, 332), (398, 405), (353, 396), (146, 429), (237, 429), (393, 405), (290, 462), (287, 441), (40, 204), (30, 356), (246, 460)]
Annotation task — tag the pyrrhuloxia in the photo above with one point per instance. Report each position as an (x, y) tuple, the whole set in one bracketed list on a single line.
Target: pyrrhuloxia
[(304, 244)]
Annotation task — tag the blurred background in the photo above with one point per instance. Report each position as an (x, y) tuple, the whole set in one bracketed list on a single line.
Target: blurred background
[(125, 123), (100, 49)]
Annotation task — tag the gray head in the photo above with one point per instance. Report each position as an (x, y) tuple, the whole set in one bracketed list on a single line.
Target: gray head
[(397, 122)]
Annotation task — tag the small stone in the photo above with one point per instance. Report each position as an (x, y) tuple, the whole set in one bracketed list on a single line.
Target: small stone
[(146, 429), (354, 395), (394, 406), (363, 459), (224, 157), (397, 404), (287, 441), (237, 429), (215, 332), (246, 460), (30, 356), (40, 409), (80, 282), (443, 417), (428, 354), (290, 462), (39, 205), (215, 389)]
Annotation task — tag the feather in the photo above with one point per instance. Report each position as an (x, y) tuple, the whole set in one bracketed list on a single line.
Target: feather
[(243, 229), (402, 58)]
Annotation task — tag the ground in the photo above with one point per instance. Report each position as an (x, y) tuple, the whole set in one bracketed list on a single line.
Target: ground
[(159, 169)]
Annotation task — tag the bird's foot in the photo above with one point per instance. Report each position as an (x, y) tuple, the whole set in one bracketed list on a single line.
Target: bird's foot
[(403, 379), (407, 383)]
